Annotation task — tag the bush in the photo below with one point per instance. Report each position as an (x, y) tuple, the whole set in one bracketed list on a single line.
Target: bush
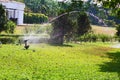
[(105, 38), (91, 37), (110, 23), (118, 30), (10, 38), (3, 18), (35, 18), (9, 27), (7, 40), (88, 37)]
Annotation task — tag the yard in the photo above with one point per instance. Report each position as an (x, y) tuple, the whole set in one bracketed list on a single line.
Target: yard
[(84, 61)]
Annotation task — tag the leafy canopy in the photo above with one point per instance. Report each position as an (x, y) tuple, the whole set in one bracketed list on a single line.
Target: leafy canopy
[(114, 5)]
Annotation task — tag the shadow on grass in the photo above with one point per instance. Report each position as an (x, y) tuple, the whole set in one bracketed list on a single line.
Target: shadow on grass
[(63, 45), (113, 65)]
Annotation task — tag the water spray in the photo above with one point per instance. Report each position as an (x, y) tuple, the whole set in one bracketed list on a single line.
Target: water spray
[(88, 13)]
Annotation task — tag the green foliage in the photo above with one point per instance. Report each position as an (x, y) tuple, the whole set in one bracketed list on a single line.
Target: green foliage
[(118, 30), (76, 5), (34, 18), (7, 40), (61, 26), (110, 23), (91, 37), (3, 18), (47, 7), (5, 25), (10, 27), (105, 38), (83, 23), (69, 25), (88, 37), (113, 5)]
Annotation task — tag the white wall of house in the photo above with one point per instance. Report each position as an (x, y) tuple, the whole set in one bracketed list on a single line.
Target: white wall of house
[(15, 10)]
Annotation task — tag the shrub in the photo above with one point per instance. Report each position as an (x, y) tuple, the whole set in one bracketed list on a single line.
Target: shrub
[(88, 37), (91, 37), (7, 40), (105, 38), (3, 18), (10, 38), (110, 23), (35, 18), (118, 30), (9, 27)]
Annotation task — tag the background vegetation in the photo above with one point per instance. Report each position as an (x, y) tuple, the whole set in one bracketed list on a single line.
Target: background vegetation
[(35, 18)]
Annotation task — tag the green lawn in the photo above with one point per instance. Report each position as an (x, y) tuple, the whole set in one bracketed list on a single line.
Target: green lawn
[(86, 61)]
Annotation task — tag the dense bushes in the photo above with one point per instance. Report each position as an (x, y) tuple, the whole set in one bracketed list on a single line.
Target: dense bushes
[(118, 30), (3, 18), (10, 26), (110, 23), (34, 18), (91, 37), (5, 24), (8, 39)]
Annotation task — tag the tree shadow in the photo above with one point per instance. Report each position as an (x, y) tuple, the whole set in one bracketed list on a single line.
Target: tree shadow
[(113, 65)]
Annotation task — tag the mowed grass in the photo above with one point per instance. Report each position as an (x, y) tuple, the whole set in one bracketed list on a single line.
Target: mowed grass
[(85, 61)]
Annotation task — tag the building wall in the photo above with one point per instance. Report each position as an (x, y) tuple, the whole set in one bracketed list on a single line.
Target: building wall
[(15, 10)]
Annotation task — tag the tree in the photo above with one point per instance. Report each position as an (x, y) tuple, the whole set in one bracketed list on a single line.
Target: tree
[(47, 7), (113, 5), (70, 23), (3, 18), (83, 24), (5, 24), (61, 26)]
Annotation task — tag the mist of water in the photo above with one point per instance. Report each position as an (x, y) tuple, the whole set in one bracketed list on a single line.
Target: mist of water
[(36, 34)]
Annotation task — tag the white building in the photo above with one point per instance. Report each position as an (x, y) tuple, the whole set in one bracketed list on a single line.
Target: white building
[(14, 10)]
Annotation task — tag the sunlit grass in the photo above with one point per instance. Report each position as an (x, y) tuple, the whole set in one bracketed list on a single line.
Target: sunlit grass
[(47, 62), (104, 30)]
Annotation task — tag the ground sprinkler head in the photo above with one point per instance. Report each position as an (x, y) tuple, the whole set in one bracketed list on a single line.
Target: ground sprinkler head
[(26, 45)]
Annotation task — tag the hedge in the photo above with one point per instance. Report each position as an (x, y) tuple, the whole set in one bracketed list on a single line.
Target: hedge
[(32, 18), (8, 39)]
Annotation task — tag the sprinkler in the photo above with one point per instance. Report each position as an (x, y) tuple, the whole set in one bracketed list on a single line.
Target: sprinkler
[(26, 45)]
